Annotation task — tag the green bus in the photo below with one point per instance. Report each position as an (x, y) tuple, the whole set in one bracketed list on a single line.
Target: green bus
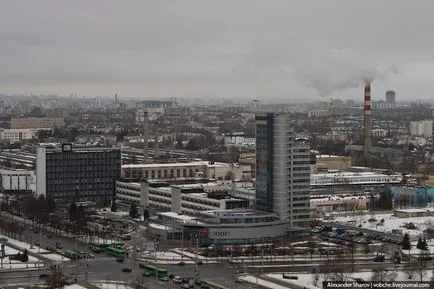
[(116, 252), (70, 254), (155, 271)]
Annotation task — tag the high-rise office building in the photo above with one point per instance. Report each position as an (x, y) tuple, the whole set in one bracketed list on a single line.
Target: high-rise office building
[(390, 96), (282, 171), (69, 174)]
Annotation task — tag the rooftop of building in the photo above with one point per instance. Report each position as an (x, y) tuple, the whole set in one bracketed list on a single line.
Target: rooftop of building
[(180, 164), (236, 213)]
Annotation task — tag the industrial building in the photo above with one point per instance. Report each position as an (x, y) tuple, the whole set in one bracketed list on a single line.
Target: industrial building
[(36, 122), (69, 174)]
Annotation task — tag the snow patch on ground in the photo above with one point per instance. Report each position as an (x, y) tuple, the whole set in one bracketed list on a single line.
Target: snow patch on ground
[(390, 222), (307, 280)]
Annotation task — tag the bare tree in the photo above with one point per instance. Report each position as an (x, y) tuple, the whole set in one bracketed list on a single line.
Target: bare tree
[(382, 275), (139, 283), (56, 279), (421, 265), (410, 270)]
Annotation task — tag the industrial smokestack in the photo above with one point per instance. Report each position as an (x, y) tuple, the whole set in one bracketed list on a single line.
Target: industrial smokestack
[(367, 120), (145, 137)]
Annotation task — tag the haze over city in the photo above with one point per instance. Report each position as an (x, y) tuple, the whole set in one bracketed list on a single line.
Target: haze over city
[(279, 50)]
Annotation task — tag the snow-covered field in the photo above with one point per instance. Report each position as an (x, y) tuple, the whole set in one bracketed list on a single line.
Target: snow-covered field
[(390, 222), (16, 264), (307, 280)]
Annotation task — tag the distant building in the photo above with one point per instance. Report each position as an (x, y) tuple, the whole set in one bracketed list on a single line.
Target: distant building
[(239, 139), (17, 135), (390, 96), (421, 128), (389, 103), (69, 174), (37, 122), (12, 180), (318, 113), (282, 171)]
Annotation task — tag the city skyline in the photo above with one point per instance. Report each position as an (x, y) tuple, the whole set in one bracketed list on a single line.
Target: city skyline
[(279, 50)]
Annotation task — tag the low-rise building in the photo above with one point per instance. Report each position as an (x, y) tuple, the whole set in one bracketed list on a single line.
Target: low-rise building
[(14, 180), (219, 227), (17, 135)]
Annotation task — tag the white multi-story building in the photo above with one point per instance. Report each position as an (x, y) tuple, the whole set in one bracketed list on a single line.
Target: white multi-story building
[(352, 178), (17, 180), (214, 170), (282, 171), (421, 128), (182, 199), (17, 135), (239, 139)]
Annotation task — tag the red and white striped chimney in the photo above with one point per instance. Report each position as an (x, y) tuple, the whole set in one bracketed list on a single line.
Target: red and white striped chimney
[(367, 120)]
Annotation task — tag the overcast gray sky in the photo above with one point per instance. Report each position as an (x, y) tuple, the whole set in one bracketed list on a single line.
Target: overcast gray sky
[(269, 49)]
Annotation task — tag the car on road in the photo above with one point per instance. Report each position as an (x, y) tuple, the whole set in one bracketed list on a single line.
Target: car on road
[(127, 270), (165, 279), (239, 280), (147, 274), (199, 262), (182, 263), (36, 231), (177, 279), (90, 255), (44, 275), (120, 260), (37, 244)]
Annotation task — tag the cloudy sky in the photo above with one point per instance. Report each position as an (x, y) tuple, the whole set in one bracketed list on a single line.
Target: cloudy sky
[(237, 49)]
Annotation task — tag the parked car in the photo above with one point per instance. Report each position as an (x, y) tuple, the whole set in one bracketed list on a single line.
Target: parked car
[(177, 279)]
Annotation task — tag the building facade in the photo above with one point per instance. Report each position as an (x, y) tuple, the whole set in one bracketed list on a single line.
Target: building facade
[(36, 122), (421, 128), (17, 135), (17, 180), (187, 199), (69, 174), (282, 171), (203, 169)]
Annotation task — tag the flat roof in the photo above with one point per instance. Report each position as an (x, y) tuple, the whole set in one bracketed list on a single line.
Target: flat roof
[(169, 165)]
